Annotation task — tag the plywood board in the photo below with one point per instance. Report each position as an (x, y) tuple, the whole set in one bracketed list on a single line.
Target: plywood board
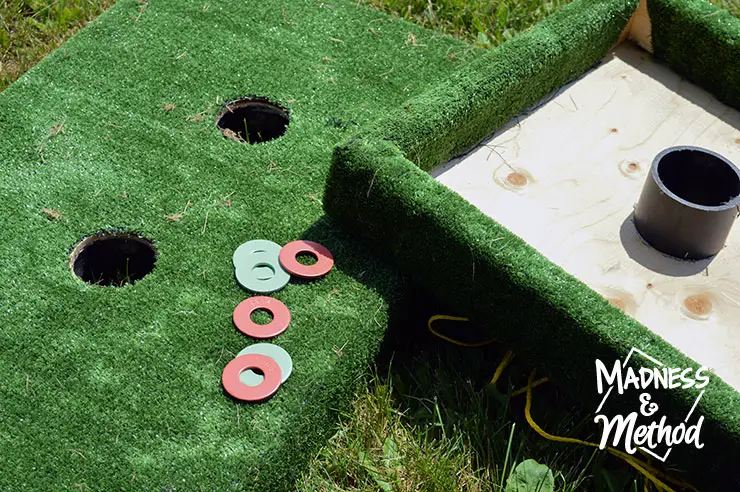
[(639, 29), (566, 177)]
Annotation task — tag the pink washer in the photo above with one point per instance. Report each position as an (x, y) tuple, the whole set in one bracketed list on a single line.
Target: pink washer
[(268, 387), (324, 259), (278, 310)]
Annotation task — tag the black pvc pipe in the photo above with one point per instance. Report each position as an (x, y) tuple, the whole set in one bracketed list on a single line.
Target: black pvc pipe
[(689, 202)]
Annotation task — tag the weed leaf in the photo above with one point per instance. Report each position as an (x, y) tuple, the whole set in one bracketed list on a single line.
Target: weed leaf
[(374, 472), (530, 476)]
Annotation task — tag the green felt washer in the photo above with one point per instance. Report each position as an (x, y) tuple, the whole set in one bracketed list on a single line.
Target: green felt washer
[(263, 272), (278, 354), (261, 275), (258, 267), (243, 255)]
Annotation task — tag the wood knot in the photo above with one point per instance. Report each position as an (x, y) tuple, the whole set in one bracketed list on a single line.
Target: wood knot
[(517, 179), (698, 304), (618, 303)]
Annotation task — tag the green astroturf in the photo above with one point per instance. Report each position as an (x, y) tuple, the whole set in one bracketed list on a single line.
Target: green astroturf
[(701, 42), (378, 181), (119, 388)]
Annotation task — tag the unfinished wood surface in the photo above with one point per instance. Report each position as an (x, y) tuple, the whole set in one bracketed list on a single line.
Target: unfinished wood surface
[(639, 29), (566, 178)]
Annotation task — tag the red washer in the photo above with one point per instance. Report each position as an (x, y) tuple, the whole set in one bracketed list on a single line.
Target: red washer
[(324, 259), (268, 387), (243, 317)]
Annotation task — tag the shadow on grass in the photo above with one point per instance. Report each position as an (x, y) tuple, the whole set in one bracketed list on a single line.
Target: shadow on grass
[(442, 390), (445, 390)]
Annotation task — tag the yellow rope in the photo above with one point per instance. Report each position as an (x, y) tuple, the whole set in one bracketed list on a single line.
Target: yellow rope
[(652, 474), (504, 362), (452, 340), (521, 391), (647, 470)]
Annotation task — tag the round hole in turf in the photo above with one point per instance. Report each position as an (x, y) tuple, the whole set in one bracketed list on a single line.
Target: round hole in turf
[(261, 316), (113, 259), (306, 258), (699, 177), (253, 120)]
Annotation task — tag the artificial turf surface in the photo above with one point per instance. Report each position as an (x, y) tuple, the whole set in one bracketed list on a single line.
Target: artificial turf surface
[(115, 388)]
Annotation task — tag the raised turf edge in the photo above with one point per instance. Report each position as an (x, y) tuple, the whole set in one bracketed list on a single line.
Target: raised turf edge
[(378, 187)]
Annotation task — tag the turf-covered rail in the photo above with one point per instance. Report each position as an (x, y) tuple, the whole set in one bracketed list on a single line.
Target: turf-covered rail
[(379, 180)]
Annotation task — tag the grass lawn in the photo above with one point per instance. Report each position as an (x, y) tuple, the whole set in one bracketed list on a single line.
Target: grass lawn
[(429, 421), (29, 29), (426, 420)]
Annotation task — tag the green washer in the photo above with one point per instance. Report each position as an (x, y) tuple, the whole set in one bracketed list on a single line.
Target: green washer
[(258, 267), (278, 354), (261, 276), (243, 254)]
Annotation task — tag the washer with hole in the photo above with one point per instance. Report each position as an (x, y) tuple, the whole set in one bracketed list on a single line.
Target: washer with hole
[(230, 378), (258, 266), (276, 353), (243, 317), (262, 277), (244, 253), (289, 261)]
